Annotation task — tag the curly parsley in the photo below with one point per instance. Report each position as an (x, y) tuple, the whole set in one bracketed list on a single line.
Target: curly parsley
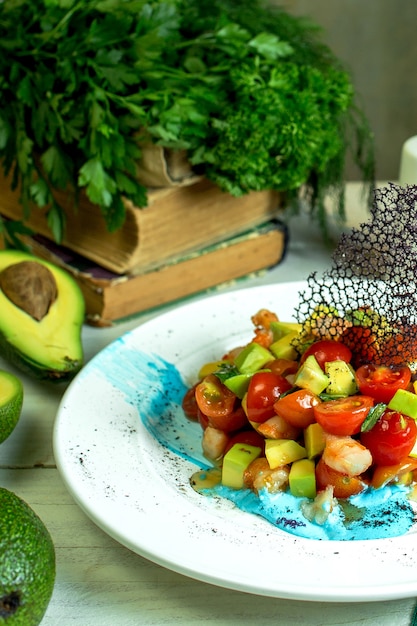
[(250, 92)]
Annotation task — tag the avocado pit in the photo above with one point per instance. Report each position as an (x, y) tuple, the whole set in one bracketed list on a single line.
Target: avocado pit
[(31, 286)]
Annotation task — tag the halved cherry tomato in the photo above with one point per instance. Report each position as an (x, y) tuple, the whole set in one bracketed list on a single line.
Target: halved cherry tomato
[(381, 381), (282, 366), (343, 416), (392, 438), (344, 485), (249, 436), (297, 407), (327, 350), (218, 404), (264, 390), (189, 404), (384, 474)]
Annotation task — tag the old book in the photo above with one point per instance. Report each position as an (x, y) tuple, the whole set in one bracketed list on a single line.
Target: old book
[(178, 220), (110, 297)]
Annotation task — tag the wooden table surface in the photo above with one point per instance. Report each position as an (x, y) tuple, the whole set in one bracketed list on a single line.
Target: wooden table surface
[(101, 583)]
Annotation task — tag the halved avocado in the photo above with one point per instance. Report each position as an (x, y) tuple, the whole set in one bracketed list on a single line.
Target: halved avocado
[(49, 348)]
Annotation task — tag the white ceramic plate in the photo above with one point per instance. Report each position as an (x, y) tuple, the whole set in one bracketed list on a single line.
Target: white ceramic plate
[(137, 490)]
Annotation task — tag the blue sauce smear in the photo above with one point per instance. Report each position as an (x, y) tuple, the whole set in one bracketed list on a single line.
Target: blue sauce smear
[(155, 388)]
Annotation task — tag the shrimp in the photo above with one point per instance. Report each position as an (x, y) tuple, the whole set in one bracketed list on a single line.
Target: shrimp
[(346, 455), (263, 333), (319, 510), (214, 443), (260, 476)]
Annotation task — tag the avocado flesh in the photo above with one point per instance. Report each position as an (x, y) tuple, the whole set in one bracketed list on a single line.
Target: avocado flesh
[(50, 348)]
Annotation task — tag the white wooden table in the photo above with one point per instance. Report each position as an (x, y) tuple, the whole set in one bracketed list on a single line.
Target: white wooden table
[(101, 583)]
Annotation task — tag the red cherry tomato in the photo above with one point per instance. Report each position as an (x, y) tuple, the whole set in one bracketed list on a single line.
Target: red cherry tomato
[(384, 474), (264, 390), (327, 350), (297, 407), (249, 436), (344, 485), (218, 404), (381, 381), (343, 416), (391, 439), (189, 404)]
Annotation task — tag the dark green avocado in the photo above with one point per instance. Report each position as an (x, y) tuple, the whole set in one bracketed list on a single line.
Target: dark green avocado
[(49, 348)]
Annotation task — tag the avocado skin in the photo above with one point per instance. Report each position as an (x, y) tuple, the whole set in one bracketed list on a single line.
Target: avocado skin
[(27, 563), (38, 370), (50, 349)]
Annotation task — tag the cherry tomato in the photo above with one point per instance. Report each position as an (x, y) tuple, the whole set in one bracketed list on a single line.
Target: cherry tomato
[(344, 485), (213, 398), (249, 436), (381, 381), (264, 390), (189, 404), (327, 350), (283, 366), (384, 474), (343, 416), (392, 438), (297, 407)]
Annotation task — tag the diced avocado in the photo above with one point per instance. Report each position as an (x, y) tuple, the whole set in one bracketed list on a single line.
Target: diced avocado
[(283, 348), (235, 462), (314, 440), (238, 384), (404, 402), (252, 358), (302, 479), (342, 380), (310, 376), (280, 329), (280, 452)]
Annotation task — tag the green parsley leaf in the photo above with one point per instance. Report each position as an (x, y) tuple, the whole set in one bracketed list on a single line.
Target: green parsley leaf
[(373, 417)]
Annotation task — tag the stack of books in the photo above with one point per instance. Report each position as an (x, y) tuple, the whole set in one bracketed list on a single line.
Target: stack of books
[(188, 238)]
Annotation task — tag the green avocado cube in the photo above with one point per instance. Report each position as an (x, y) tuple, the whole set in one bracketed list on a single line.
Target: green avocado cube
[(314, 440), (252, 358), (310, 376), (238, 384), (235, 463), (342, 379), (283, 348), (404, 402), (281, 452), (280, 329), (302, 479)]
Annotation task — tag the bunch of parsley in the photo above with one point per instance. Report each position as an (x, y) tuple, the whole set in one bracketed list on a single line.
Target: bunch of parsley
[(249, 91)]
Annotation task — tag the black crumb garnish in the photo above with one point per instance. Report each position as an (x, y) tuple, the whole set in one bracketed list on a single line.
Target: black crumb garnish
[(368, 297)]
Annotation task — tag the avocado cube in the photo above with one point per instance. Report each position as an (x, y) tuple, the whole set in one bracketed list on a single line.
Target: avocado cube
[(280, 329), (281, 452), (310, 376), (314, 440), (342, 380), (404, 402), (252, 358), (238, 384), (283, 348), (302, 479), (235, 463)]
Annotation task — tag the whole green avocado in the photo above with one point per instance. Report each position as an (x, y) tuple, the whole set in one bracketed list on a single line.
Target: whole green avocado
[(46, 345), (27, 563)]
